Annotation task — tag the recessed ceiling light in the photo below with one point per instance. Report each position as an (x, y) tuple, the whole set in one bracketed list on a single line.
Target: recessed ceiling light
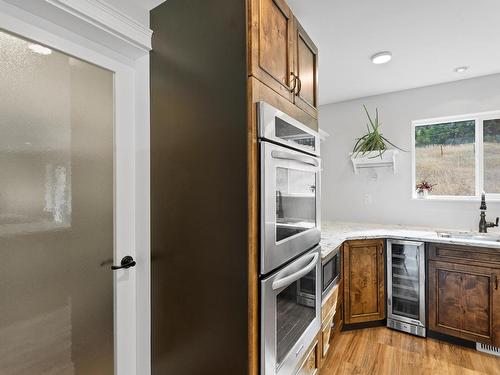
[(41, 50), (381, 57), (461, 69)]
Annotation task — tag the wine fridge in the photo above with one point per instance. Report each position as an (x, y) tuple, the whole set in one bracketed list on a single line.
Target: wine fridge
[(406, 286)]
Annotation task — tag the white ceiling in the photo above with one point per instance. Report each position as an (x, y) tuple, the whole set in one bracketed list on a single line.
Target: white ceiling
[(428, 39)]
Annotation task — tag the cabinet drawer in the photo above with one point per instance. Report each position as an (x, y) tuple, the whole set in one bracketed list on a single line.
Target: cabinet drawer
[(464, 254), (326, 334), (330, 303), (310, 365), (338, 319)]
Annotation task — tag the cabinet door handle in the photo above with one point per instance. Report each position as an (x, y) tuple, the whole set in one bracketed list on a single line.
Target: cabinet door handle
[(300, 85), (496, 282), (294, 77)]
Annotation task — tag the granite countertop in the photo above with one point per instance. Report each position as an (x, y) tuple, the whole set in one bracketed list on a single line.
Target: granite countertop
[(333, 234)]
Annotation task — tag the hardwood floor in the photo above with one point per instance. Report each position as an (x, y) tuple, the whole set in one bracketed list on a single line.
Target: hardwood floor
[(383, 351)]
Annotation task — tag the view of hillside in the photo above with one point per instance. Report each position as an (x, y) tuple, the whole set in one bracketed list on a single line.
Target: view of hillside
[(445, 156)]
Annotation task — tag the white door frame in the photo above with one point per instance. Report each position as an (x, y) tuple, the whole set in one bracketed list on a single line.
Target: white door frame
[(132, 287)]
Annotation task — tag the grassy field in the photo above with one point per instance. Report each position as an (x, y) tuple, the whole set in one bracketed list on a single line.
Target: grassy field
[(492, 167), (452, 168)]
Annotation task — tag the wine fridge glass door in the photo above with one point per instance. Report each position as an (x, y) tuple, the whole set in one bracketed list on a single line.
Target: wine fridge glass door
[(407, 282)]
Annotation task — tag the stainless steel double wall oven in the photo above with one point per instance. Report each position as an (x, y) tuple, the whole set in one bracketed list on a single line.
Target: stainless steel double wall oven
[(290, 258)]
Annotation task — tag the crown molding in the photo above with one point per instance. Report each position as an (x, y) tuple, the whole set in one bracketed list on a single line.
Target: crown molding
[(109, 19), (95, 20)]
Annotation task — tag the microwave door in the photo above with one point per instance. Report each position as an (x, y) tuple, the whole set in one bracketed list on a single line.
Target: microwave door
[(331, 269), (290, 204)]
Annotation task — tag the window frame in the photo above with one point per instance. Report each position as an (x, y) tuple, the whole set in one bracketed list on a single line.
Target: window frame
[(479, 119)]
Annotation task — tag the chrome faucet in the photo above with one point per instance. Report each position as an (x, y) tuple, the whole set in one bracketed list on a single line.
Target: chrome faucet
[(483, 224)]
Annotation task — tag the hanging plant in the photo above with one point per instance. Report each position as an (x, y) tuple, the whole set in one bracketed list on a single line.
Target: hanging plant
[(373, 140)]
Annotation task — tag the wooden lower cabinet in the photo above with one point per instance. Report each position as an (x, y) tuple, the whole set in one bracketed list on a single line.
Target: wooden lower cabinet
[(310, 366), (331, 328), (364, 281), (464, 301), (332, 320), (326, 334), (338, 319)]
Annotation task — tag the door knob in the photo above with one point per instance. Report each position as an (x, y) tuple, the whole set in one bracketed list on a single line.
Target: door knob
[(126, 262)]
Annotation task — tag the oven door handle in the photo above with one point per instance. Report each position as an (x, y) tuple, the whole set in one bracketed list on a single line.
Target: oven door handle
[(287, 280), (297, 157)]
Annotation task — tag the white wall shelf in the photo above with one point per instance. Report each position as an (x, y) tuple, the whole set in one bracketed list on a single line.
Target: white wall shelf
[(373, 160)]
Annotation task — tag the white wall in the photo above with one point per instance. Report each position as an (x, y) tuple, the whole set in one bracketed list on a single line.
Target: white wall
[(346, 197)]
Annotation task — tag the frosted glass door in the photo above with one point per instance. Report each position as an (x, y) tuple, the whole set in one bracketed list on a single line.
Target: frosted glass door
[(56, 212)]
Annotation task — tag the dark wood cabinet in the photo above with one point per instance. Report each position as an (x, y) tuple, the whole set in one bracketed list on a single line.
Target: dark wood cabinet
[(463, 295), (282, 55), (364, 280), (306, 69)]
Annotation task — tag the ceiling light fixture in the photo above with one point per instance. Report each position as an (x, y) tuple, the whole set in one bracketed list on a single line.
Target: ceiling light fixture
[(461, 69), (41, 50), (381, 57)]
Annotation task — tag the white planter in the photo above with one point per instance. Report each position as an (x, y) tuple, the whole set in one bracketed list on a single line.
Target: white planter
[(422, 194), (374, 160)]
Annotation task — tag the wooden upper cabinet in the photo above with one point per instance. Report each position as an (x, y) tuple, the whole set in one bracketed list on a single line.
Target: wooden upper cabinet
[(364, 280), (464, 301), (306, 69), (281, 54), (271, 45)]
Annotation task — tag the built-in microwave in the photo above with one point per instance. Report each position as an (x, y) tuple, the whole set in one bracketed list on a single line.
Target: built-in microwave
[(290, 188), (331, 269)]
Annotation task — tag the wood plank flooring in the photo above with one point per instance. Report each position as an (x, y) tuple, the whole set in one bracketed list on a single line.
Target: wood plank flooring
[(381, 351)]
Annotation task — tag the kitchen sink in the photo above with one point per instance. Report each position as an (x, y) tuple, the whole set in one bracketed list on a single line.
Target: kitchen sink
[(470, 236)]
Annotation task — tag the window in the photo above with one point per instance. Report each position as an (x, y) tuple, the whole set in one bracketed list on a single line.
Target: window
[(491, 156), (459, 155)]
